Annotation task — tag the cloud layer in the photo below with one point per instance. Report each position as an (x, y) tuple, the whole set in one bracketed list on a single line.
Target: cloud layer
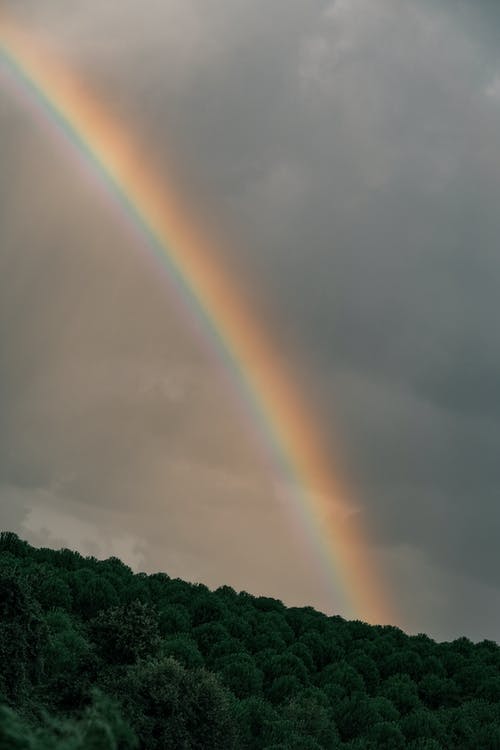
[(350, 151)]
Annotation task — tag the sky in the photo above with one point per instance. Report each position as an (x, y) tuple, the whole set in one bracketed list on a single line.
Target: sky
[(348, 152)]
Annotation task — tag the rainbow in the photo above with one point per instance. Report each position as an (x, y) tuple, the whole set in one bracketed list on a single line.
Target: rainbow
[(153, 208)]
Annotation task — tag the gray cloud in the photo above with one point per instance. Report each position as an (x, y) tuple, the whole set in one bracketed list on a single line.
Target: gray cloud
[(349, 151)]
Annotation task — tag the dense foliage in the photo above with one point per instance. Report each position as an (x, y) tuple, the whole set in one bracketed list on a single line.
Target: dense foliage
[(95, 657)]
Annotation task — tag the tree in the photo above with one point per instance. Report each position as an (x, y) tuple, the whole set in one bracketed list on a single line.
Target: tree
[(14, 734), (126, 633), (310, 715), (170, 707), (239, 627), (344, 675), (208, 635), (322, 651), (386, 710), (91, 593), (425, 744), (50, 588), (255, 718), (70, 662), (488, 737), (437, 692), (355, 716), (401, 691), (207, 608), (10, 542), (184, 650), (283, 689), (489, 689), (101, 727), (402, 661), (366, 667), (239, 674), (422, 723), (223, 649), (173, 619), (285, 664), (466, 724), (23, 635), (387, 736), (300, 649), (275, 622)]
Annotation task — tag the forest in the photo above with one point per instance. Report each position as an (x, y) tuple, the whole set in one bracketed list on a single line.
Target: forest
[(95, 657)]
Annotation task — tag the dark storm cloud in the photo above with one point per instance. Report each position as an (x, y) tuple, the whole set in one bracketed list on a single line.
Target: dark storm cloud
[(352, 152)]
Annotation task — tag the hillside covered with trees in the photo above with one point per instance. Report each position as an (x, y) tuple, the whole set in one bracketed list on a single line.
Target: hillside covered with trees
[(95, 657)]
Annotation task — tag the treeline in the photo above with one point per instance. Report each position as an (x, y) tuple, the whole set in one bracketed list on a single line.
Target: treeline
[(93, 657)]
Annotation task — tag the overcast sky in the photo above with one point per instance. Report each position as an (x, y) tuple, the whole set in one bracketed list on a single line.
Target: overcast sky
[(349, 152)]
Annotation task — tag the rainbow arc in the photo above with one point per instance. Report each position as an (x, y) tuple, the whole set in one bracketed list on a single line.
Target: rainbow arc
[(152, 207)]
